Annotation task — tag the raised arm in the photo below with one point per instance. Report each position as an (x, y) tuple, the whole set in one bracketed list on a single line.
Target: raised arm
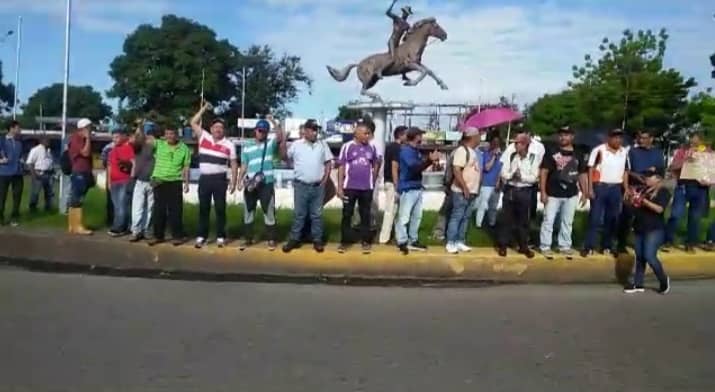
[(196, 120), (390, 14)]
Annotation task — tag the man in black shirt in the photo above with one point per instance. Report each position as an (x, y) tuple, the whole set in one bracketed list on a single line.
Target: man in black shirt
[(563, 173), (391, 167)]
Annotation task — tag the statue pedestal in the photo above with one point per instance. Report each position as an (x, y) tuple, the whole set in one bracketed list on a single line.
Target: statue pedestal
[(378, 111)]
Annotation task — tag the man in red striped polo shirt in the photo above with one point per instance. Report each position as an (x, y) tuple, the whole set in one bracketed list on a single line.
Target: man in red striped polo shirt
[(216, 154)]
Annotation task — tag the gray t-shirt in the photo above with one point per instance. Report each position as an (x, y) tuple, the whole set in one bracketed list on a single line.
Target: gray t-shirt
[(144, 163)]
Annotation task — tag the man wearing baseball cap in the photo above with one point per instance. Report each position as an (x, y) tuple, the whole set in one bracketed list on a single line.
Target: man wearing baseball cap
[(256, 179), (79, 149), (216, 155)]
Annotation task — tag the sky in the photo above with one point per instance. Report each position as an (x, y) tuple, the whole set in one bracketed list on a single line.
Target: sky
[(523, 48)]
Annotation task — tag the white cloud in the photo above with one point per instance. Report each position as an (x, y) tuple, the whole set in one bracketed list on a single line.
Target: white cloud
[(113, 16), (523, 50)]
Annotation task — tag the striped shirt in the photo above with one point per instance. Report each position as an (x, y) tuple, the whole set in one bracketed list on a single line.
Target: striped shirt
[(170, 161), (252, 155), (214, 156)]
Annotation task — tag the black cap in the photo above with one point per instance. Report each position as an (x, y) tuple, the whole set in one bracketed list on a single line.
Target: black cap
[(218, 120), (312, 124), (615, 132), (566, 129)]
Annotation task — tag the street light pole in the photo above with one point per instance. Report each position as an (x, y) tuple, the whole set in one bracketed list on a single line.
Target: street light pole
[(243, 102), (64, 92), (17, 66)]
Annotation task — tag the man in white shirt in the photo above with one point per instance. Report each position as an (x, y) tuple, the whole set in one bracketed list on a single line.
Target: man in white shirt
[(608, 181), (520, 172), (41, 166)]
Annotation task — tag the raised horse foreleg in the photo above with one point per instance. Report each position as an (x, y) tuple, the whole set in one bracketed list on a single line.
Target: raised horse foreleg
[(424, 73)]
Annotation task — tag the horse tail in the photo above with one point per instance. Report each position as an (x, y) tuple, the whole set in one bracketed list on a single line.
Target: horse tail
[(341, 74)]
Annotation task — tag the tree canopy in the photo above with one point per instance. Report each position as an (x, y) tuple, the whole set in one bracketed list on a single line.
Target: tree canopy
[(7, 94), (627, 86), (82, 101), (161, 69)]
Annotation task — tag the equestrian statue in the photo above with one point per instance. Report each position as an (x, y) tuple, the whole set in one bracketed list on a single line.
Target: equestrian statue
[(404, 54)]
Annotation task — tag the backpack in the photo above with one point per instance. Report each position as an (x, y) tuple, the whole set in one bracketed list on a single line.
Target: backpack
[(448, 172), (66, 162)]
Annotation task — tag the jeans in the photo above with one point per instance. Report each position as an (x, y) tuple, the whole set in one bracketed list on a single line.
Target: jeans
[(486, 204), (265, 193), (17, 183), (80, 184), (566, 209), (212, 188), (142, 205), (388, 218), (515, 217), (647, 245), (462, 208), (42, 182), (696, 199), (168, 205), (120, 201), (410, 213), (307, 202), (363, 199), (605, 210)]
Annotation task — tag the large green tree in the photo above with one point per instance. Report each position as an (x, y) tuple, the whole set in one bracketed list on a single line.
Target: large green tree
[(82, 101), (160, 73), (701, 112), (7, 94), (625, 86)]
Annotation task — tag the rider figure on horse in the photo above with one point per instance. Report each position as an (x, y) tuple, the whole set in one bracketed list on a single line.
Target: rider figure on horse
[(400, 27)]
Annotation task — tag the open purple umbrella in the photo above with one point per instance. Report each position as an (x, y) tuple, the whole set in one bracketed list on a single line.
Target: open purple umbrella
[(491, 118)]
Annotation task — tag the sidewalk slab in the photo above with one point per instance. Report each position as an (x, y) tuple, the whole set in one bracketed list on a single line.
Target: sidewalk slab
[(384, 264)]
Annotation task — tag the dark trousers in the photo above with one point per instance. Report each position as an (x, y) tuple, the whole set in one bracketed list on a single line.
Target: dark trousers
[(266, 195), (364, 202), (212, 187), (109, 208), (606, 208), (168, 205), (515, 217), (16, 182), (42, 183), (646, 246)]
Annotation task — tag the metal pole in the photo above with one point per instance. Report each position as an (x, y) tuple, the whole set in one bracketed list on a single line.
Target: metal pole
[(243, 102), (17, 66), (65, 86)]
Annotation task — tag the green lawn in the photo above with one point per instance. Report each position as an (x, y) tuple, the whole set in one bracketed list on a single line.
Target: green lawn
[(95, 212)]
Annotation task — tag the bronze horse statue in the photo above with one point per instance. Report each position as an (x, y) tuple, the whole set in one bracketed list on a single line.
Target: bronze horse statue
[(408, 58)]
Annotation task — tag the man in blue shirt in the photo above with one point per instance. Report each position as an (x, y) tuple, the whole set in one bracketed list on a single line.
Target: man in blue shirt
[(409, 186), (11, 170), (491, 168), (643, 158)]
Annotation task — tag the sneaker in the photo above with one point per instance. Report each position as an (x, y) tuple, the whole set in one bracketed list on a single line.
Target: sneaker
[(664, 286), (155, 242), (527, 252), (633, 289), (463, 247), (417, 247), (178, 241), (200, 242), (667, 247), (501, 251), (586, 252), (289, 246), (110, 233), (548, 254), (568, 253), (689, 249), (319, 247), (271, 245), (342, 248), (14, 223), (245, 244), (452, 248), (220, 242), (404, 249), (136, 238), (709, 246), (366, 248)]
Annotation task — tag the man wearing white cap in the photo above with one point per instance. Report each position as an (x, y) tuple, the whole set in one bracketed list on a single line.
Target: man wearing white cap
[(465, 184), (82, 179)]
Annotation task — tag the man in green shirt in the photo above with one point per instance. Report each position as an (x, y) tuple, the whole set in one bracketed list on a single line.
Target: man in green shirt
[(171, 168)]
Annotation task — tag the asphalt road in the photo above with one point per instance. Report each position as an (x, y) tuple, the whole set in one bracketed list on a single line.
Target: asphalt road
[(83, 333)]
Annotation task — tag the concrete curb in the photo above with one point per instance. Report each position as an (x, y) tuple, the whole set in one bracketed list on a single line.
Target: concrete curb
[(56, 251)]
